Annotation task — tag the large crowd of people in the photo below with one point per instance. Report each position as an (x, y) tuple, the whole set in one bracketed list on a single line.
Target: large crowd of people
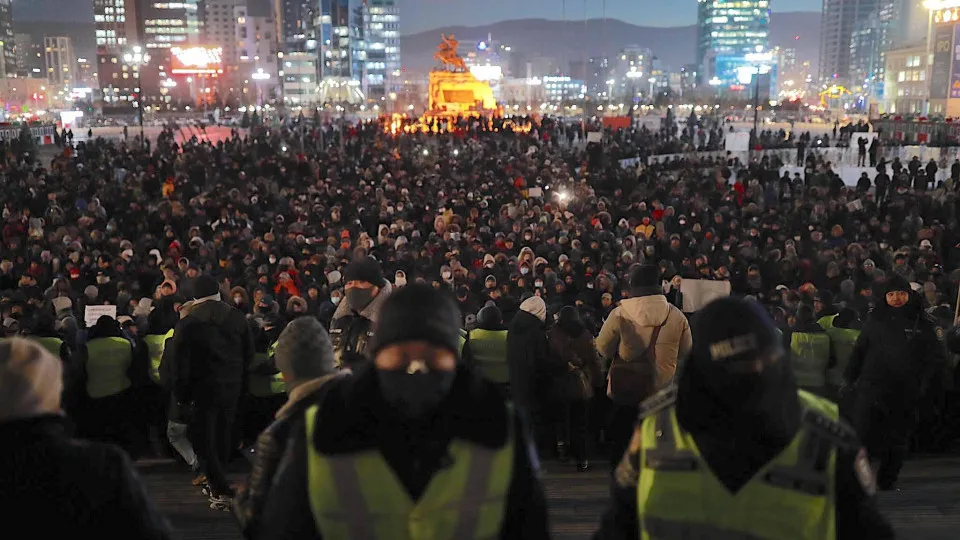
[(209, 250)]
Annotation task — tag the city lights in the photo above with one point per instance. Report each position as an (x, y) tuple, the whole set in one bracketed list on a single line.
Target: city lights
[(196, 60)]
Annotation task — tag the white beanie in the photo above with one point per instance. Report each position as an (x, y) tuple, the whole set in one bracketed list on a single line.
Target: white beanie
[(535, 306), (62, 303), (31, 380)]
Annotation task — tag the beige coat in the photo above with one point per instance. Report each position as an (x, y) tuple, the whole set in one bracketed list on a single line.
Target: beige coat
[(627, 332)]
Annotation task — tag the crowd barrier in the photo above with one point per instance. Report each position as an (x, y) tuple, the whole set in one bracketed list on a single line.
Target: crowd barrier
[(42, 134)]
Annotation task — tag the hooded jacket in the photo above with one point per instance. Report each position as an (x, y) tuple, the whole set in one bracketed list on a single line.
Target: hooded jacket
[(351, 332), (628, 330), (212, 347)]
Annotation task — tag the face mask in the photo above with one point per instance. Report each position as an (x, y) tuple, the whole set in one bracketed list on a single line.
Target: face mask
[(400, 281), (446, 275), (589, 285), (524, 271), (417, 395), (335, 300), (237, 300), (273, 260), (490, 265), (538, 284), (359, 298)]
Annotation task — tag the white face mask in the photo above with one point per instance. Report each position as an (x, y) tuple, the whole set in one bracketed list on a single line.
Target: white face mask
[(538, 284), (335, 299), (490, 265), (446, 275), (400, 281), (237, 299), (273, 260), (524, 271)]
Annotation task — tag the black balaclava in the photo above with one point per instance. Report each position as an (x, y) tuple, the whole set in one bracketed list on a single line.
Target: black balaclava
[(740, 419)]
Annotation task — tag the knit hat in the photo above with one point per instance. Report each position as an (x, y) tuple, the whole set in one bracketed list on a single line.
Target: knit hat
[(535, 306), (645, 279), (333, 278), (91, 291), (31, 380), (304, 352), (205, 286), (418, 312), (365, 269)]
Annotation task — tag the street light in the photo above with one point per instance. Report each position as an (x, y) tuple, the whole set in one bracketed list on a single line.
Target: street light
[(136, 59)]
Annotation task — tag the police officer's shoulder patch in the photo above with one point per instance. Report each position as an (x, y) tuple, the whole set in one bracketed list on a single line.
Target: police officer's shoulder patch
[(940, 333), (861, 467), (658, 402)]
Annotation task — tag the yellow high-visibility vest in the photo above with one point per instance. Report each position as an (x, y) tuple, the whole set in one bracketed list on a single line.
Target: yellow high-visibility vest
[(793, 496), (108, 360), (489, 348), (811, 356), (51, 344), (266, 385), (359, 496), (842, 340), (156, 343)]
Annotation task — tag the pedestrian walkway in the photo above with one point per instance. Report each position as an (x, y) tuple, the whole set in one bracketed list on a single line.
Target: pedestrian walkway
[(927, 507)]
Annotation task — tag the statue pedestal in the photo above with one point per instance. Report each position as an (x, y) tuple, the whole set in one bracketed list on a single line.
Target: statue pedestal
[(457, 93)]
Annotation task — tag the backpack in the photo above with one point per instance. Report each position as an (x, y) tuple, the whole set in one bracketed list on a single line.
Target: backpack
[(632, 381)]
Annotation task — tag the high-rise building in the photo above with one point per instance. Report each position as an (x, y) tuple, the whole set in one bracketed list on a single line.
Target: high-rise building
[(300, 50), (169, 24), (840, 19), (341, 53), (28, 53), (380, 30), (60, 61), (257, 51), (220, 24), (907, 91), (86, 73), (632, 70), (8, 58), (599, 81), (727, 33), (116, 30)]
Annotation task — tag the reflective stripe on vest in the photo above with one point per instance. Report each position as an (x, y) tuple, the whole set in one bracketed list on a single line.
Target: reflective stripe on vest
[(842, 340), (359, 496), (489, 348), (266, 385), (811, 356), (51, 344), (155, 346), (108, 360), (679, 497)]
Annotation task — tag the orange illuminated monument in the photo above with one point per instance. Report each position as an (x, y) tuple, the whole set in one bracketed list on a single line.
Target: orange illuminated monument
[(455, 91)]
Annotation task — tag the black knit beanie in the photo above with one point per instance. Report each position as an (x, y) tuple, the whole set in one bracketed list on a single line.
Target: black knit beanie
[(418, 313)]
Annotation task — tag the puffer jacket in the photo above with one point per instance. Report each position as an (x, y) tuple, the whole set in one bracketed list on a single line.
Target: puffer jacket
[(351, 331), (629, 328), (211, 348)]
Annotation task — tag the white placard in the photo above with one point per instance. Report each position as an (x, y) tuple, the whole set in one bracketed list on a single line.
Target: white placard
[(92, 313), (737, 142), (697, 293), (594, 136), (534, 192)]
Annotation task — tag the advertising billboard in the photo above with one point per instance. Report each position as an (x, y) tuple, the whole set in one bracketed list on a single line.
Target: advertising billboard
[(942, 61), (955, 71), (196, 60)]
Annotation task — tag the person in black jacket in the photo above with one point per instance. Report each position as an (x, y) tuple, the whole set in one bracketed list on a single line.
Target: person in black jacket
[(414, 410), (81, 489), (211, 347), (896, 354), (531, 373)]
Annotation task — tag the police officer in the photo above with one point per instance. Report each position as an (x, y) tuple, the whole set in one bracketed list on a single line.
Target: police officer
[(894, 357), (265, 385), (352, 326), (414, 445), (486, 347), (811, 353), (843, 330), (736, 451)]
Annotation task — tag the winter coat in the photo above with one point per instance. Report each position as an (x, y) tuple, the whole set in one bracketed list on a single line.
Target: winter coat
[(627, 332), (351, 332), (81, 489), (896, 354), (532, 367), (211, 348), (580, 355)]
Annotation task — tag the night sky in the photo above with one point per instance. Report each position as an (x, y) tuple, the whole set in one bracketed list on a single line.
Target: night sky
[(419, 15)]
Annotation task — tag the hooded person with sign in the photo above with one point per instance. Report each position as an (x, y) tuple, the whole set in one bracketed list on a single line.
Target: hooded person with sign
[(734, 413)]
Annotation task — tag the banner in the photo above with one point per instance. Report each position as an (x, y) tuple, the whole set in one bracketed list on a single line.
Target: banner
[(942, 61), (955, 71), (700, 292), (92, 313)]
